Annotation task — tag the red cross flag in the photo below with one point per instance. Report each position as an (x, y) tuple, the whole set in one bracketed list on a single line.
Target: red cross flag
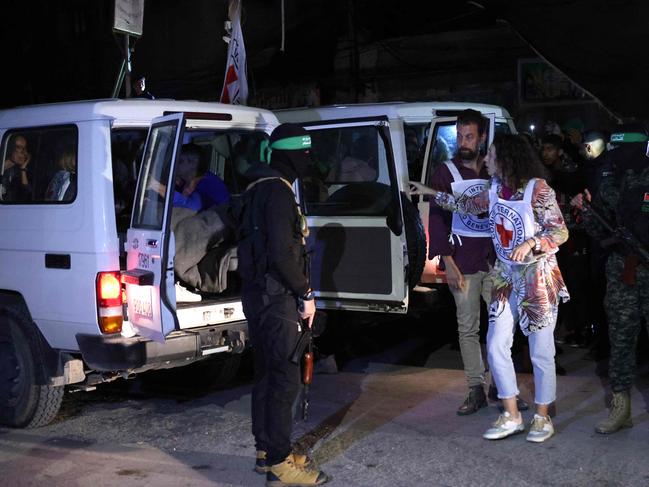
[(235, 84)]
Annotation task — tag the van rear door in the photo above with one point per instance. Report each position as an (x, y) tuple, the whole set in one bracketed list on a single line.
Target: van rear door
[(353, 206), (440, 147), (149, 276)]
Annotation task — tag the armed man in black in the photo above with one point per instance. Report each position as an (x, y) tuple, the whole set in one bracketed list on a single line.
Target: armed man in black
[(277, 301)]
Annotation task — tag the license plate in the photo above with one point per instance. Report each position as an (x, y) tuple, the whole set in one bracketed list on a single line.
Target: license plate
[(140, 303)]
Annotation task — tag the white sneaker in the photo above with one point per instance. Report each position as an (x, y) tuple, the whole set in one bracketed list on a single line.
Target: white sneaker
[(541, 429), (504, 426), (184, 295)]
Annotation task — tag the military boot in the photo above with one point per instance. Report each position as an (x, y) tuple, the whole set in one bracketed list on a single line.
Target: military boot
[(262, 467), (475, 400), (288, 473), (619, 416)]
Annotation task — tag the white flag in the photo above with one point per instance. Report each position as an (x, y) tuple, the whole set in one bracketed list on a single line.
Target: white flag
[(235, 84)]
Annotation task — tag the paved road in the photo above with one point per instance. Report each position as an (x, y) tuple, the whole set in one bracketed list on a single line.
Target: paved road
[(375, 423)]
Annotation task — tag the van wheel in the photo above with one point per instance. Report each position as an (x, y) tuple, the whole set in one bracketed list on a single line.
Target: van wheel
[(416, 240), (23, 403)]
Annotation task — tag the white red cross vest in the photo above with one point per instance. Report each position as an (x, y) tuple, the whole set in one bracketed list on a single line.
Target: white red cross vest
[(462, 224), (511, 222)]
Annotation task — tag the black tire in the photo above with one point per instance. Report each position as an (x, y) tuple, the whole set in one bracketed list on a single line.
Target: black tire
[(416, 241), (23, 403)]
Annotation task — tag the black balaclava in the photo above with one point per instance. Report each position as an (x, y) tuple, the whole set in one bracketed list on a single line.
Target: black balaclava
[(289, 150)]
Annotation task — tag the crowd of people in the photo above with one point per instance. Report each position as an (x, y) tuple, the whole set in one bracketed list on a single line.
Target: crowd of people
[(525, 225), (514, 226), (556, 260)]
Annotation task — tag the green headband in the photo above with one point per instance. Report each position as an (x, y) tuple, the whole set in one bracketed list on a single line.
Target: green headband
[(628, 137), (299, 142)]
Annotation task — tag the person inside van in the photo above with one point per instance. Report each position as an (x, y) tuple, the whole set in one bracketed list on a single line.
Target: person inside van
[(196, 188), (63, 186), (17, 171), (359, 165), (195, 177)]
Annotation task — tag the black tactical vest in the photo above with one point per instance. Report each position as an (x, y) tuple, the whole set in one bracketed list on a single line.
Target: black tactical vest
[(633, 204)]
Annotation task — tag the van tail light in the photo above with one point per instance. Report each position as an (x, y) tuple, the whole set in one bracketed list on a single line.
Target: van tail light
[(109, 302)]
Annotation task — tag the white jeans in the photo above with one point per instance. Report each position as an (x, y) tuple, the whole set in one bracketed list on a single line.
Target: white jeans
[(502, 324)]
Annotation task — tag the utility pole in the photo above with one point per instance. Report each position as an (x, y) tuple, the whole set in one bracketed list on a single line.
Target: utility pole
[(128, 20), (354, 65)]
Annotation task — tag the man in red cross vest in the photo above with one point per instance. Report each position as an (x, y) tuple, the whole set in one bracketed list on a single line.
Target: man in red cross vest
[(466, 259)]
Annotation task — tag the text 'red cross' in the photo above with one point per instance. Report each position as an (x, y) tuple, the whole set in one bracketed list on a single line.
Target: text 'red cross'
[(504, 234)]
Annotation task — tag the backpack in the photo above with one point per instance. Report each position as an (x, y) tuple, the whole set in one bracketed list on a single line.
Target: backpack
[(245, 210)]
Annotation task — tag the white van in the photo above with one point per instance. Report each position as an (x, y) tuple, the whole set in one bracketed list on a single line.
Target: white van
[(87, 286), (90, 242), (416, 154)]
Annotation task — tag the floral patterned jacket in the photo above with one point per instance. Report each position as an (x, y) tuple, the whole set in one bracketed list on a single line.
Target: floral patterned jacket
[(538, 286)]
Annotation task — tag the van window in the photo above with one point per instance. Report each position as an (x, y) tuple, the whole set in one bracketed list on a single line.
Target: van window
[(416, 135), (443, 148), (229, 153), (445, 145), (39, 165), (502, 128), (349, 172), (127, 146)]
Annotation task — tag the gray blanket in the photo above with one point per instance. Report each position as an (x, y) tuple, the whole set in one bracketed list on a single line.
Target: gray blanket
[(203, 256)]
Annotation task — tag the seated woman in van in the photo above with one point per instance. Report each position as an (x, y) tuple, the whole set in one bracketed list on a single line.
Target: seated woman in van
[(17, 171), (62, 187)]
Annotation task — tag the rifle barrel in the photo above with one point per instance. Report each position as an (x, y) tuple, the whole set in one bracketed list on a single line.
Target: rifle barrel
[(622, 233)]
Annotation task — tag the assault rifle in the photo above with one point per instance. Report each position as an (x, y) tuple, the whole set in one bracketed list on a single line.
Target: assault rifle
[(619, 234), (303, 354)]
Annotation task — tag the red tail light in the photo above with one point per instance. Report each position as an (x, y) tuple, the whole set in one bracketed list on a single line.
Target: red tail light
[(109, 302)]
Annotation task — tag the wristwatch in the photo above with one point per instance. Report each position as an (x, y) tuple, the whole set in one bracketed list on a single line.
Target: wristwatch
[(308, 296)]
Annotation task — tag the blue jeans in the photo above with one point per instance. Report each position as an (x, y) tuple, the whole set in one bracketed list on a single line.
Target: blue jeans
[(502, 324)]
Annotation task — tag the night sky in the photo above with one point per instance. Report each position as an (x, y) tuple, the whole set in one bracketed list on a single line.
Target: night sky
[(66, 50)]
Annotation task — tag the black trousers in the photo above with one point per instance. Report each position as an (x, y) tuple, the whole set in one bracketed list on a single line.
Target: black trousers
[(273, 327)]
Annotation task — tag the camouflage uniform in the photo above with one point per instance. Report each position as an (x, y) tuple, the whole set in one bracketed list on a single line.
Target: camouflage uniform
[(626, 304)]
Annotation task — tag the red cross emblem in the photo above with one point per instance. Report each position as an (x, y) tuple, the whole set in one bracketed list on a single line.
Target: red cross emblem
[(504, 234)]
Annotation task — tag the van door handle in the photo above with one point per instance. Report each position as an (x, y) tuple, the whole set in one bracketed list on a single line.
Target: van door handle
[(57, 261)]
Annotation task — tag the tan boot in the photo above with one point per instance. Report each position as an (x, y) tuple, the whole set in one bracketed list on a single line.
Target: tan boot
[(619, 416), (288, 473), (262, 467)]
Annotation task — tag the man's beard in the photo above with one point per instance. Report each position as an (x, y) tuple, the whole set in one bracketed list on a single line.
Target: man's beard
[(467, 154)]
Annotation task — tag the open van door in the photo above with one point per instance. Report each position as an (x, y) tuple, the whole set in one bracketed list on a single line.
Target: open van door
[(441, 147), (150, 248), (352, 201)]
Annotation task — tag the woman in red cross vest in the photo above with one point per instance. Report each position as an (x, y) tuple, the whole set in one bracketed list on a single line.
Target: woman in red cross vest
[(526, 228)]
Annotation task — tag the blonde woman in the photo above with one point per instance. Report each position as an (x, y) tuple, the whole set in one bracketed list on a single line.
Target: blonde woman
[(62, 187)]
